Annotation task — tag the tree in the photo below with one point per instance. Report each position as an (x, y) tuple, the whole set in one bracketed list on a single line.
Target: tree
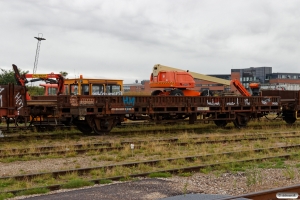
[(8, 76), (35, 90), (64, 74)]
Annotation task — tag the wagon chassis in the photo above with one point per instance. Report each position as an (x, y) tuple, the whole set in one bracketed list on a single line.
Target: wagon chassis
[(101, 113)]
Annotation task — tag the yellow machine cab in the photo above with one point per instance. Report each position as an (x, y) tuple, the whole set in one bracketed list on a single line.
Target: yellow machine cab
[(83, 86)]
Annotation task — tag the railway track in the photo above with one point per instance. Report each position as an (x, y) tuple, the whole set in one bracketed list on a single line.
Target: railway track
[(15, 137), (109, 146), (196, 163)]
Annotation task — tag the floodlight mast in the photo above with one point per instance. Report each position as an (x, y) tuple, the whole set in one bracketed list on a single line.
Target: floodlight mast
[(39, 38)]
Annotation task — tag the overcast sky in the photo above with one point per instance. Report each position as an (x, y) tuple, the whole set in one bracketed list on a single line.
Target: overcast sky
[(123, 39)]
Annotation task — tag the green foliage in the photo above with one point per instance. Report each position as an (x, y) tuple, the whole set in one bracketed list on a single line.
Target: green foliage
[(289, 173), (298, 165), (6, 196), (185, 174), (160, 174), (35, 90), (77, 183), (8, 76), (105, 181), (254, 177), (280, 164), (7, 182), (33, 191), (206, 170), (64, 74)]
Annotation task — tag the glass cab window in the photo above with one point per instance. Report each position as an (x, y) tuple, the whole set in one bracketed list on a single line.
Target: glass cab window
[(52, 91), (85, 89), (97, 89), (74, 89), (113, 89)]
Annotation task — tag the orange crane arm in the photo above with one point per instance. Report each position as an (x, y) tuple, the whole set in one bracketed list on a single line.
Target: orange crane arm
[(22, 79), (238, 85)]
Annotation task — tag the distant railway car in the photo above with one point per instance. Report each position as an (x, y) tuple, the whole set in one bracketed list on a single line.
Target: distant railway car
[(290, 103)]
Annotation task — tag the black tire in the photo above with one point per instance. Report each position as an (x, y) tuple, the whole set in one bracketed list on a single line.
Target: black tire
[(288, 117), (176, 93), (242, 123), (206, 93), (84, 128), (290, 120), (156, 93), (221, 123)]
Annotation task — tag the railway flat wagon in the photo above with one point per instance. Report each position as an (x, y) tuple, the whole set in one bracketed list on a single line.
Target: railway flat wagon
[(290, 102), (101, 113)]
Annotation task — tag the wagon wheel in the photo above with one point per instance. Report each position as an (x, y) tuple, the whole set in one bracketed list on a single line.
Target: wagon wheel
[(241, 120), (221, 123), (83, 126), (102, 126), (289, 119), (100, 132), (176, 93)]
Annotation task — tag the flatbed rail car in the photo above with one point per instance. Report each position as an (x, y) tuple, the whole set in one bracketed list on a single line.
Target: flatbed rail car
[(290, 102), (13, 105), (101, 113)]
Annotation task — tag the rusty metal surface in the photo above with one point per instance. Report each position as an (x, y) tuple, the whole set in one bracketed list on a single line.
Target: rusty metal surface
[(45, 98), (284, 94), (12, 101), (167, 104), (42, 102)]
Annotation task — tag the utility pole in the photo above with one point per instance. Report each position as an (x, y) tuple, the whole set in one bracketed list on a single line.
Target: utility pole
[(39, 38)]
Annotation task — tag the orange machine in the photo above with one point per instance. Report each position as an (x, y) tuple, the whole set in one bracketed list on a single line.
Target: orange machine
[(238, 85), (49, 89), (253, 86), (177, 83)]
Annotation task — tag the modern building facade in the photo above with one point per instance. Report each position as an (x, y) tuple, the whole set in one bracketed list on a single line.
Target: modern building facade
[(252, 74)]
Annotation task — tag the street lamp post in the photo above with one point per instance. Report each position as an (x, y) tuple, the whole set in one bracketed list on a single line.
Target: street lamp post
[(39, 38)]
